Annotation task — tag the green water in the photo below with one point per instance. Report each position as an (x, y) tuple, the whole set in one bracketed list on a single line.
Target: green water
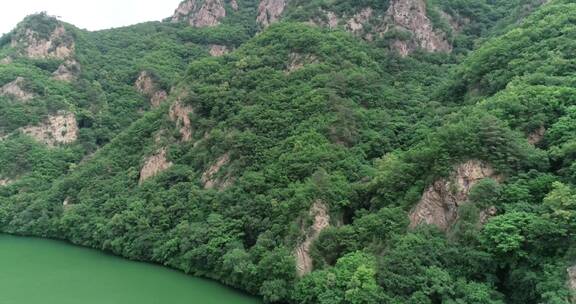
[(36, 271)]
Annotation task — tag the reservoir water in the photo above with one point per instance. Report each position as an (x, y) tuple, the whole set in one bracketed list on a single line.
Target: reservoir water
[(38, 271)]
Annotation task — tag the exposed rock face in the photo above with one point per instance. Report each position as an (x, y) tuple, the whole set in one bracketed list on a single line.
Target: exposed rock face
[(200, 13), (58, 45), (154, 165), (67, 71), (327, 19), (16, 90), (321, 220), (218, 50), (410, 15), (5, 182), (536, 136), (6, 60), (269, 11), (402, 48), (158, 97), (572, 281), (357, 22), (332, 20), (234, 5), (210, 178), (487, 214), (180, 114), (439, 203), (58, 129), (297, 61), (146, 85)]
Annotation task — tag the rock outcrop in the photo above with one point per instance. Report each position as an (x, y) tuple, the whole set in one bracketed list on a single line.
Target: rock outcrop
[(59, 44), (402, 16), (234, 5), (321, 220), (146, 85), (297, 61), (536, 136), (326, 19), (158, 97), (218, 50), (486, 215), (358, 21), (410, 15), (332, 20), (572, 282), (439, 203), (6, 60), (200, 13), (211, 179), (5, 182), (154, 165), (180, 115), (57, 129), (270, 11), (16, 89), (67, 71)]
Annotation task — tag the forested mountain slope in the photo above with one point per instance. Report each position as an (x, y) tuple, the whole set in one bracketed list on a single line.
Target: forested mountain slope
[(395, 151)]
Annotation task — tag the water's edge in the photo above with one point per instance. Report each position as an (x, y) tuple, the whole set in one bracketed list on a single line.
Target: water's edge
[(110, 254)]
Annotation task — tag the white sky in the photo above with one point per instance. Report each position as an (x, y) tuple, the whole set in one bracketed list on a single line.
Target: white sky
[(87, 14)]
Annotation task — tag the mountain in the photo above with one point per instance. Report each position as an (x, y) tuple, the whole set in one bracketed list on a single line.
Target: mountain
[(402, 151)]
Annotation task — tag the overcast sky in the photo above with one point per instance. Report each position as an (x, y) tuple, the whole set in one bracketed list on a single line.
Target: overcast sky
[(88, 14)]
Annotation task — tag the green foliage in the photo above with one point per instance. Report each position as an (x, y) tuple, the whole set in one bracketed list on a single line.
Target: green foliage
[(485, 193), (298, 116), (41, 23), (352, 281)]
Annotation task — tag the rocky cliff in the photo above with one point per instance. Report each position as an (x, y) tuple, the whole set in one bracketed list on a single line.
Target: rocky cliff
[(57, 129), (68, 71), (357, 23), (146, 85), (572, 282), (16, 89), (321, 220), (5, 182), (405, 22), (411, 16), (297, 61), (536, 136), (218, 50), (439, 203), (211, 179), (180, 115), (200, 13), (403, 18), (33, 44), (270, 11), (154, 165)]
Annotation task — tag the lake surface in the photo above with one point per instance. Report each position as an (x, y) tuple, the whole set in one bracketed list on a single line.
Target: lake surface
[(37, 271)]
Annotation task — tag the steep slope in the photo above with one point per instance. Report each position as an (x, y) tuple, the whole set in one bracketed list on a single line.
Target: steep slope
[(505, 93), (217, 139), (63, 88), (309, 165), (404, 26)]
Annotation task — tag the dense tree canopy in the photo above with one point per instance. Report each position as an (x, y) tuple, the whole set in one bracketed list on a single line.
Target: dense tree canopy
[(298, 115)]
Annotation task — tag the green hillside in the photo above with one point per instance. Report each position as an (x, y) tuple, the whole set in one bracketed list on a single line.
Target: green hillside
[(306, 160)]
